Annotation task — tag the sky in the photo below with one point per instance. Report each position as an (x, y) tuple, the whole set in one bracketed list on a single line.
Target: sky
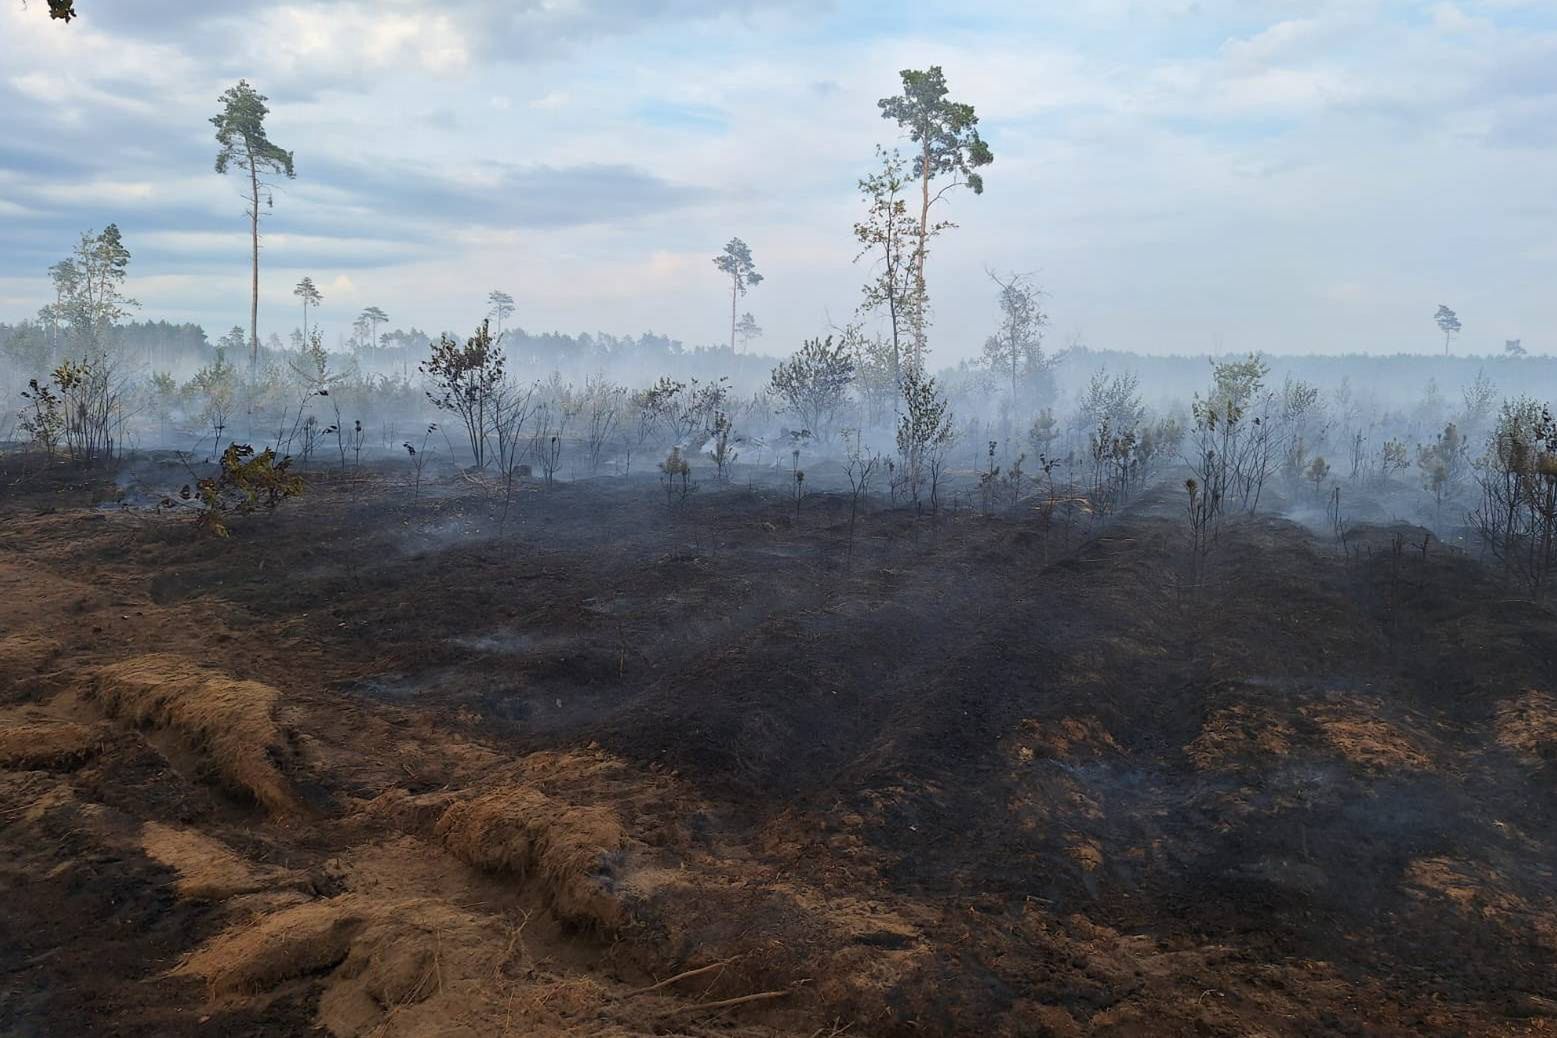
[(1181, 176)]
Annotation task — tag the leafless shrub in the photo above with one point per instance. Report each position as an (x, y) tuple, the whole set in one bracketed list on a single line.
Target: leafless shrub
[(603, 409), (419, 458), (860, 466), (551, 425), (512, 408)]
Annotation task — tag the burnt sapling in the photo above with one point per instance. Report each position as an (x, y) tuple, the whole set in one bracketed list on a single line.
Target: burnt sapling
[(465, 381), (676, 476), (245, 482), (721, 445), (419, 458), (860, 467)]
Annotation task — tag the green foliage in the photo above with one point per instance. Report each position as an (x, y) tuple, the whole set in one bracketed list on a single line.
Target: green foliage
[(80, 407), (372, 317), (465, 380), (946, 131), (232, 342), (814, 383), (722, 445), (1235, 384), (1299, 400), (163, 385), (736, 262), (887, 235), (1449, 323), (747, 329), (1015, 351), (88, 295), (684, 411), (246, 147), (1044, 431), (1443, 463), (1114, 400), (924, 430), (310, 295), (240, 130), (947, 145), (676, 476), (41, 419), (1480, 397), (1393, 458), (502, 308), (308, 292), (927, 421), (875, 371), (1517, 514), (246, 482)]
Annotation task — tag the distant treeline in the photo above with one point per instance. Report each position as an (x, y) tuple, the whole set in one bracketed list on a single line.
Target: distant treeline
[(1395, 380), (31, 349), (154, 346)]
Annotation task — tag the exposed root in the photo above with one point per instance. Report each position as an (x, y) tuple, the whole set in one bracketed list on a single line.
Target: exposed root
[(724, 1003), (685, 975)]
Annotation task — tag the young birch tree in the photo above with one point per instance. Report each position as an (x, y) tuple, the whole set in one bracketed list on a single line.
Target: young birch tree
[(814, 384), (1016, 349), (887, 235)]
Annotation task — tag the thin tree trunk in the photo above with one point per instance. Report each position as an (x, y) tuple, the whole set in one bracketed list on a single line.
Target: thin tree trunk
[(734, 288), (920, 347), (1011, 339), (254, 264)]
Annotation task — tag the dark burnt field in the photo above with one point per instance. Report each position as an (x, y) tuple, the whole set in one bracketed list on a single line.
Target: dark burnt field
[(394, 765)]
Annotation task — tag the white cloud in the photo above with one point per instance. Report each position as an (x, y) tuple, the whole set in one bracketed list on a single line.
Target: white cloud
[(550, 101), (1246, 164)]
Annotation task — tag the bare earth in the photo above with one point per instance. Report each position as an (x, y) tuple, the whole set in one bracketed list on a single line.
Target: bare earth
[(375, 765)]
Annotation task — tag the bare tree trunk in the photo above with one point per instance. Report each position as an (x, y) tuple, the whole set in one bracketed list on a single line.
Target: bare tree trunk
[(734, 289), (254, 264), (922, 309), (1011, 339)]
